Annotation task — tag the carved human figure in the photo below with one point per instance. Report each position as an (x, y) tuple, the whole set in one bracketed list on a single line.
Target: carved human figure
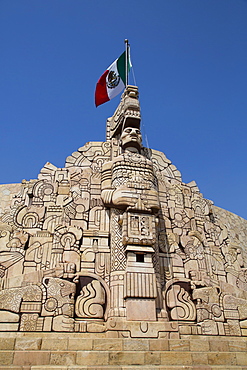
[(130, 176), (129, 185), (131, 139)]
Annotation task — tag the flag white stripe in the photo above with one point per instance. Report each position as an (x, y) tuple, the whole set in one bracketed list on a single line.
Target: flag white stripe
[(112, 92)]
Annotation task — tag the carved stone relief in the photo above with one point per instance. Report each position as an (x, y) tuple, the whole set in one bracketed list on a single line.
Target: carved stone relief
[(116, 241), (90, 302)]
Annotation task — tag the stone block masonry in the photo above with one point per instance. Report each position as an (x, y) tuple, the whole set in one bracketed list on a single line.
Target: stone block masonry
[(32, 351)]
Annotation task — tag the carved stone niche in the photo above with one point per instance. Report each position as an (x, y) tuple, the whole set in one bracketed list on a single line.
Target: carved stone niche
[(178, 300), (139, 228), (90, 299)]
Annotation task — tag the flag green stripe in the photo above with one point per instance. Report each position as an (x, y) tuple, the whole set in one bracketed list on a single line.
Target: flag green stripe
[(121, 67)]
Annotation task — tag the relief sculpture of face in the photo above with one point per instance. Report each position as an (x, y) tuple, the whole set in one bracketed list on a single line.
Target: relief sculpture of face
[(131, 137)]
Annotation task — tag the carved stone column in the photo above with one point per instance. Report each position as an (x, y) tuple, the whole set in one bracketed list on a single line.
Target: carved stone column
[(118, 265)]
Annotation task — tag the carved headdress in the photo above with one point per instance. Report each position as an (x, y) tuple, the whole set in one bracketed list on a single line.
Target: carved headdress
[(127, 114)]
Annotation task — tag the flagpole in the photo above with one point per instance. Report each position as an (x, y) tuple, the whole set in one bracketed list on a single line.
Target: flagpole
[(126, 61)]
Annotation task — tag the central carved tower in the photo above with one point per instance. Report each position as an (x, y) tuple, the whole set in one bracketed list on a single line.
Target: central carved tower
[(130, 191)]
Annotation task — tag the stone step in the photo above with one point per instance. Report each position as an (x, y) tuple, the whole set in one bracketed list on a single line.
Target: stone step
[(145, 367), (67, 352), (130, 359), (76, 343), (130, 367)]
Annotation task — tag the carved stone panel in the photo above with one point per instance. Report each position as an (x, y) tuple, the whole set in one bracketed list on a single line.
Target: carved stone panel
[(116, 241)]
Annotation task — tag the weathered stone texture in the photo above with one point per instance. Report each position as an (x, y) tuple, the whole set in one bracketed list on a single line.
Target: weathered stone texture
[(7, 192), (115, 245), (108, 353)]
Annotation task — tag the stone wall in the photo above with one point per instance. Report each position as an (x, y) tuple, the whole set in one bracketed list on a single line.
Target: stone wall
[(7, 192), (237, 227), (31, 351)]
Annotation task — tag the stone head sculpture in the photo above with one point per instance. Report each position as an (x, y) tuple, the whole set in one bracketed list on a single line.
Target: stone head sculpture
[(131, 139)]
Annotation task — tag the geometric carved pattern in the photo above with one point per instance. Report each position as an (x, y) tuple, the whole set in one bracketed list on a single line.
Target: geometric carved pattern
[(140, 285), (118, 257), (116, 236), (29, 322)]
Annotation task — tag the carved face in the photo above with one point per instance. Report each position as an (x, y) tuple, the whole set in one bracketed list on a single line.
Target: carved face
[(131, 136)]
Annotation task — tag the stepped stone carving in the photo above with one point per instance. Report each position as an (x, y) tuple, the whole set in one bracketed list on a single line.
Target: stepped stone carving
[(116, 241)]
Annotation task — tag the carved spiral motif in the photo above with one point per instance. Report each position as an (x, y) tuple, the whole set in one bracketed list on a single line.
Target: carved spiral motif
[(30, 220), (51, 304), (216, 310), (67, 240), (182, 308), (42, 188), (89, 303)]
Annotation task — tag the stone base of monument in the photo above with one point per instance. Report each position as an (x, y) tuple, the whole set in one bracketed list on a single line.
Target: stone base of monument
[(67, 351), (140, 309)]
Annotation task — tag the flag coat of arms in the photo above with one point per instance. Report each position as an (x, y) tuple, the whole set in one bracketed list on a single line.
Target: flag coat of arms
[(113, 80)]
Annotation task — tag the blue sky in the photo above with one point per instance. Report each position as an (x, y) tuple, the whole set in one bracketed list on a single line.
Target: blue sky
[(190, 64)]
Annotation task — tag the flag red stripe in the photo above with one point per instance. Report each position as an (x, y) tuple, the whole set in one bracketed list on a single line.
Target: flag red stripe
[(101, 95)]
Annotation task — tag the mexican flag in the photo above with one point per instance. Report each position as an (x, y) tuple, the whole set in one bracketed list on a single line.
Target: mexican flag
[(112, 82)]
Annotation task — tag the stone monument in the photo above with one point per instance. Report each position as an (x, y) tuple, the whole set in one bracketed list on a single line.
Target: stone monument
[(116, 243)]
